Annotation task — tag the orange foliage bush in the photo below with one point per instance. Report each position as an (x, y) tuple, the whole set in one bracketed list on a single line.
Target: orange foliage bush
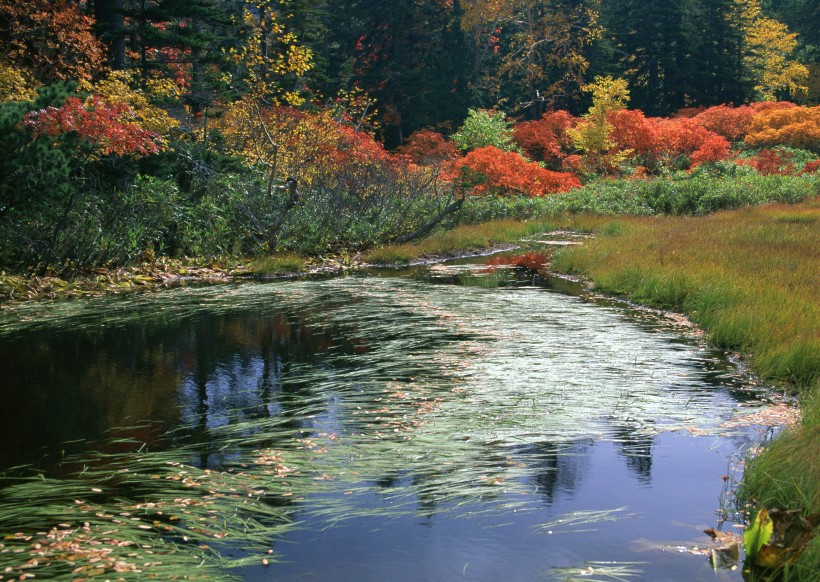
[(714, 148), (769, 105), (545, 139), (731, 122), (632, 130), (797, 127), (654, 140), (768, 162), (491, 170), (683, 137)]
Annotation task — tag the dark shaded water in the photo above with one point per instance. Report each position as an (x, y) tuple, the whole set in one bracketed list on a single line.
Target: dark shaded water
[(430, 430)]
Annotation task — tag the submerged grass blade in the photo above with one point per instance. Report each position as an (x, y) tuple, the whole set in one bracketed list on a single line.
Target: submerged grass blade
[(598, 572)]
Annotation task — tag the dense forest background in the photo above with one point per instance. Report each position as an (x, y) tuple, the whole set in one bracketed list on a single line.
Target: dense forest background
[(424, 63), (135, 127)]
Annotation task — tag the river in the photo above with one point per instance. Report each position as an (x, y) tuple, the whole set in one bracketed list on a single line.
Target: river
[(445, 422)]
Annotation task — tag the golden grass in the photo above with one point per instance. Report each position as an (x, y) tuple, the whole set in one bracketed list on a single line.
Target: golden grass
[(750, 278)]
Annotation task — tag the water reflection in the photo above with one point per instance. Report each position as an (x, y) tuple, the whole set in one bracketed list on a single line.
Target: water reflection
[(376, 397)]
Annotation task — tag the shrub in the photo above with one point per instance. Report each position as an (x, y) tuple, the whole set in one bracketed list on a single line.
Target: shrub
[(714, 148), (428, 147), (634, 132), (732, 123), (797, 127), (485, 128), (546, 139), (490, 170), (768, 162)]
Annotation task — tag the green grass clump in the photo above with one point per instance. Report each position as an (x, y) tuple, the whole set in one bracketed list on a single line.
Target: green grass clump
[(278, 265), (704, 190), (787, 476), (463, 238)]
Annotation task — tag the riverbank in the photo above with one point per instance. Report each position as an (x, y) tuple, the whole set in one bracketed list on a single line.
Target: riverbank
[(749, 279)]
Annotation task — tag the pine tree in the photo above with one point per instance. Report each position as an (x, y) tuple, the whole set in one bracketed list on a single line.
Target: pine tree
[(718, 73), (651, 42)]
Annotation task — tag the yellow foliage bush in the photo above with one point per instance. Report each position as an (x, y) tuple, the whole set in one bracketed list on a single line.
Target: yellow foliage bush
[(15, 84), (797, 127), (118, 87)]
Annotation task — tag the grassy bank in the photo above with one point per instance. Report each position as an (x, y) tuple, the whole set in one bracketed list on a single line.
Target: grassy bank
[(750, 279), (480, 236)]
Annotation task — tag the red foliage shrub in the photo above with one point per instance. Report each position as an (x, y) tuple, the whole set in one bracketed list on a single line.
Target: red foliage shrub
[(358, 147), (733, 123), (713, 149), (490, 169), (545, 139), (687, 112), (682, 137), (532, 261), (768, 162), (632, 130), (426, 147), (810, 168), (106, 126)]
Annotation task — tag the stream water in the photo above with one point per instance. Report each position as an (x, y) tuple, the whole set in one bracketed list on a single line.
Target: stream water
[(439, 423)]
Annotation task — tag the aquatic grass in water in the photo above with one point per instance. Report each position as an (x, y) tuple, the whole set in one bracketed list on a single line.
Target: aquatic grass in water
[(425, 400), (598, 572)]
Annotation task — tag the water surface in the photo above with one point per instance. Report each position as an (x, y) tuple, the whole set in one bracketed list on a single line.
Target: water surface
[(421, 426)]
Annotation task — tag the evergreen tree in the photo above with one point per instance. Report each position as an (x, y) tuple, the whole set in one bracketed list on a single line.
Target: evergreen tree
[(651, 42), (718, 73), (410, 56)]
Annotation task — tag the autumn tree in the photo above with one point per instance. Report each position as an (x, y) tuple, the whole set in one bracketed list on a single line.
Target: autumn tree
[(51, 41), (769, 54), (538, 48), (269, 62), (592, 136)]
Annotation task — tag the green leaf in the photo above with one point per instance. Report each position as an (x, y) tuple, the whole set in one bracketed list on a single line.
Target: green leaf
[(758, 533)]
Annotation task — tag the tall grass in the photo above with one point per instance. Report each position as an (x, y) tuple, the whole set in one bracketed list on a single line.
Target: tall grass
[(700, 192), (748, 277)]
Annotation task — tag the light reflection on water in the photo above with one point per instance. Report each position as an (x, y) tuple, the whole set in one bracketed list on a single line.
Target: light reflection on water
[(437, 425)]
